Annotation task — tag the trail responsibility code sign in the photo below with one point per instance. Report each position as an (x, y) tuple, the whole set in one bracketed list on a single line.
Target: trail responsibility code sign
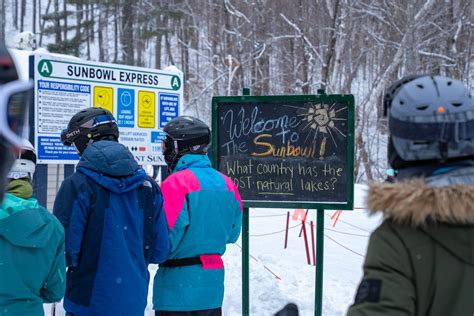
[(142, 101)]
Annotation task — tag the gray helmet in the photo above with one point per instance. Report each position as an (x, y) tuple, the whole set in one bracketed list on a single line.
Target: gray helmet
[(430, 118)]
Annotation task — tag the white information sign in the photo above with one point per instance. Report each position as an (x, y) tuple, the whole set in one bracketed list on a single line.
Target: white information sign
[(142, 101)]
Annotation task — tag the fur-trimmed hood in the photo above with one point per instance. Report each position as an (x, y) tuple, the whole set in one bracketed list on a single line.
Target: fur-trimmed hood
[(414, 202)]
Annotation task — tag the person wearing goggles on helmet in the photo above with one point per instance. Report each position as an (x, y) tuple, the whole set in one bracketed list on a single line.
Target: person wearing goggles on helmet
[(14, 104), (32, 269), (204, 213), (113, 216), (420, 260)]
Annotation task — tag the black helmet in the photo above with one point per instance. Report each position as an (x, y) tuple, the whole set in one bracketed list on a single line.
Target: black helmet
[(184, 134), (89, 125), (431, 118)]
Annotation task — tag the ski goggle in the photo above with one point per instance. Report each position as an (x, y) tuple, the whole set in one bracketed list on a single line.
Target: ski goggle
[(15, 99), (166, 145), (69, 136)]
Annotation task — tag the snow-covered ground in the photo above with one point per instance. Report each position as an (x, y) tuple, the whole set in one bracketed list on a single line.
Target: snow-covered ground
[(344, 250)]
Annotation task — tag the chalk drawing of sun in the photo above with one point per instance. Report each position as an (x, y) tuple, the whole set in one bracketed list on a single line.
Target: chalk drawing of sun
[(320, 119)]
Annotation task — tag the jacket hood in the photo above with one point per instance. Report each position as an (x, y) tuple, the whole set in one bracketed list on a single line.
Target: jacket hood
[(13, 204), (29, 228), (415, 203), (109, 158), (192, 160), (111, 165), (444, 195), (116, 185), (20, 188), (441, 205)]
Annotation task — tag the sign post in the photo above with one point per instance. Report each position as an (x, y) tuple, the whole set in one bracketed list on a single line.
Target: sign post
[(286, 152)]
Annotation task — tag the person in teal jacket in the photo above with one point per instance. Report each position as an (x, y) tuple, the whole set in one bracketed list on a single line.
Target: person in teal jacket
[(204, 213), (32, 261)]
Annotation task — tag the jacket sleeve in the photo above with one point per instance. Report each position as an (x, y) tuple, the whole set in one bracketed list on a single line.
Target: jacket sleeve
[(162, 245), (387, 287), (55, 285), (237, 222), (176, 210), (71, 208)]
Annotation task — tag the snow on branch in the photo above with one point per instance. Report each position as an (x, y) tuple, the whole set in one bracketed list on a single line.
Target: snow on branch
[(306, 40), (437, 55), (424, 10), (232, 10)]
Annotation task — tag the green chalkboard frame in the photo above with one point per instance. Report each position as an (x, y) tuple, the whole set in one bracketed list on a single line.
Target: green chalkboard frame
[(347, 98)]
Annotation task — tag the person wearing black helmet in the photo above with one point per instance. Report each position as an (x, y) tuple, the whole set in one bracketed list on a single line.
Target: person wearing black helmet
[(420, 260), (204, 213), (32, 263), (113, 216)]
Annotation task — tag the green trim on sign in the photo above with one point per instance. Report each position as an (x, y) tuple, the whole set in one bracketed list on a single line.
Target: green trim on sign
[(108, 67), (111, 83), (350, 153)]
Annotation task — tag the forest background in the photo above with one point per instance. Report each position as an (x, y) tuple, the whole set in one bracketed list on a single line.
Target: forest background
[(272, 47)]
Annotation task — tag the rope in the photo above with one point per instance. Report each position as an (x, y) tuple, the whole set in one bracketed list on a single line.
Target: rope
[(274, 233), (273, 273), (352, 225), (333, 240), (274, 215), (344, 233)]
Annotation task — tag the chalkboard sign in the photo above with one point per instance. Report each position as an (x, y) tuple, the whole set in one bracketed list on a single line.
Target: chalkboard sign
[(287, 151)]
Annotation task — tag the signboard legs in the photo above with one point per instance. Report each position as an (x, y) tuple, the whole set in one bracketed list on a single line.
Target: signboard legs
[(318, 300), (245, 263)]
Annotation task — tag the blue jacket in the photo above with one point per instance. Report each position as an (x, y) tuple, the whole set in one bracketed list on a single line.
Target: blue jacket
[(115, 226), (204, 213), (32, 265)]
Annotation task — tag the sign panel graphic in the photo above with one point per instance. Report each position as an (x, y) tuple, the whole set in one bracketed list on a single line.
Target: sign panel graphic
[(142, 101)]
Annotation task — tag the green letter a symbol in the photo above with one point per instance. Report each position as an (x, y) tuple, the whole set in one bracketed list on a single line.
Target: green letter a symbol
[(45, 68), (175, 83)]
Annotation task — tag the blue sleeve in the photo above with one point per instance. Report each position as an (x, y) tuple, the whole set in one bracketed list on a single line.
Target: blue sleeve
[(237, 223), (162, 245), (71, 209)]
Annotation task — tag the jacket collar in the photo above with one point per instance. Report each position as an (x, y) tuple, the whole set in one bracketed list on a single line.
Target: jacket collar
[(192, 160), (417, 202)]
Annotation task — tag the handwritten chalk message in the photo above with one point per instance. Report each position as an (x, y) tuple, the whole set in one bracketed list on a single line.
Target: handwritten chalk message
[(286, 151)]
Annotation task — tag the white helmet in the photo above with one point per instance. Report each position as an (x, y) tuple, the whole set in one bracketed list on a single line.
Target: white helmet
[(25, 164)]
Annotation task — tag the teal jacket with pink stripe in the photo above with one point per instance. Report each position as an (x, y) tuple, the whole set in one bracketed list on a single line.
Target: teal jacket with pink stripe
[(204, 213)]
